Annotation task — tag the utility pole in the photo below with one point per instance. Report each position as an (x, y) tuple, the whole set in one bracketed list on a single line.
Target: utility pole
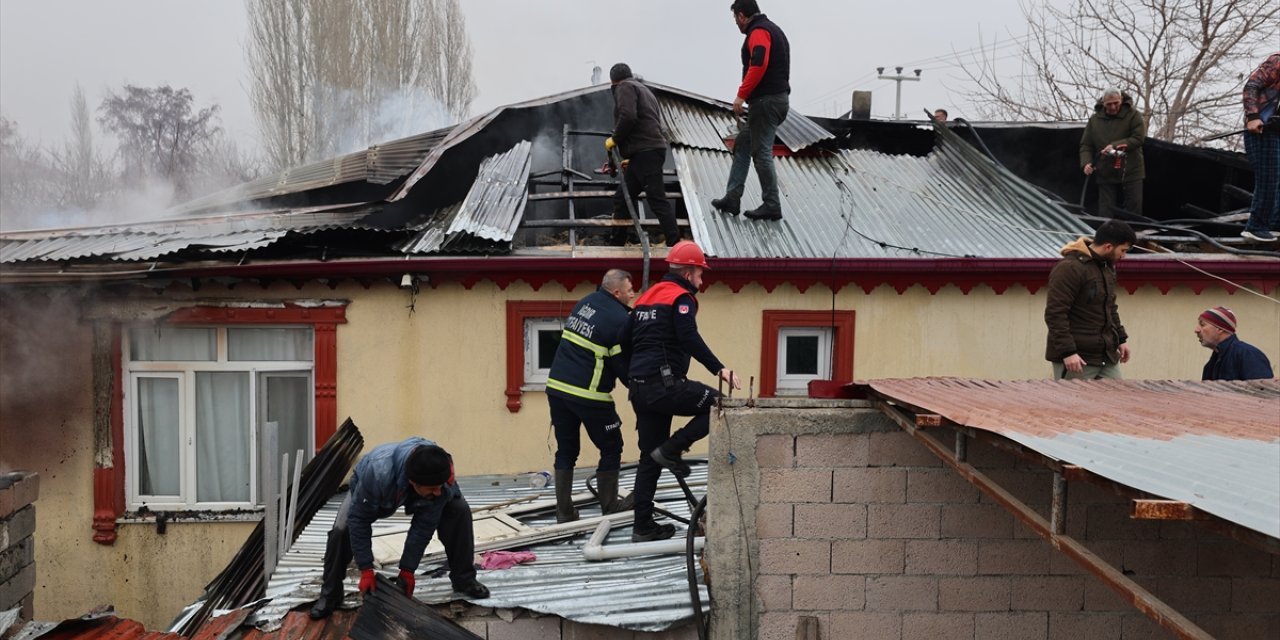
[(897, 105)]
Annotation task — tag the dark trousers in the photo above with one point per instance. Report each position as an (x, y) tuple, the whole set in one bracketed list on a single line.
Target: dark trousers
[(456, 533), (1125, 196), (1264, 156), (655, 405), (644, 173), (754, 145), (604, 427)]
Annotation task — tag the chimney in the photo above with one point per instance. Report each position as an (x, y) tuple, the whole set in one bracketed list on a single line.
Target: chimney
[(18, 490), (861, 106)]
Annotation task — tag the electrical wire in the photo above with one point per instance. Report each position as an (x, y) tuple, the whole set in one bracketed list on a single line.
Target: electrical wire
[(694, 595)]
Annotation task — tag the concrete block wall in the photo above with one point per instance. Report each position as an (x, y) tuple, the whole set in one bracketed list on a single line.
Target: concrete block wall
[(842, 516), (18, 492)]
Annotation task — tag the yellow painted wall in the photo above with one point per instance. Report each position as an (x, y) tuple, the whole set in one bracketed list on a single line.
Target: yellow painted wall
[(440, 372)]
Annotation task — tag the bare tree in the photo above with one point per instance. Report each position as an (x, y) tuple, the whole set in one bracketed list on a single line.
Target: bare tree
[(330, 76), (84, 174), (1182, 61), (27, 183), (161, 134)]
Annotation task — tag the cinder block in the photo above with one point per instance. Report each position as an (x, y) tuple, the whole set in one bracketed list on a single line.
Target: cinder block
[(795, 485), (973, 594), (1060, 564), (976, 521), (937, 626), (775, 451), (902, 593), (865, 624), (829, 593), (1194, 595), (683, 632), (524, 627), (782, 557), (21, 525), (942, 557), (16, 557), (570, 630), (1112, 522), (903, 521), (1029, 486), (867, 556), (774, 593), (478, 627), (1239, 626), (1221, 557), (832, 450), (1161, 557), (1011, 626), (985, 456), (1077, 626), (1047, 593), (15, 589), (773, 520), (1135, 626), (897, 449), (782, 626), (1014, 557), (1099, 597), (840, 521), (1255, 595), (870, 485), (18, 492), (939, 485)]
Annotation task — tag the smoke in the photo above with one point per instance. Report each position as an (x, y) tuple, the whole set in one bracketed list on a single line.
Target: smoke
[(145, 201), (395, 112)]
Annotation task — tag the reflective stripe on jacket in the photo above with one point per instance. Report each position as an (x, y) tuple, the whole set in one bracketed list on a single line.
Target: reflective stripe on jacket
[(592, 354)]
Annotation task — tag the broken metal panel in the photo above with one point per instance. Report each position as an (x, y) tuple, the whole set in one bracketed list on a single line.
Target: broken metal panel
[(388, 614), (1212, 445), (706, 123), (431, 234), (494, 205)]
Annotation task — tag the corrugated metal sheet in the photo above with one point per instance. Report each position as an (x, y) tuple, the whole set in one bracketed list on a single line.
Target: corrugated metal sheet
[(148, 240), (861, 203), (1214, 445), (705, 124), (648, 593), (495, 204), (431, 235)]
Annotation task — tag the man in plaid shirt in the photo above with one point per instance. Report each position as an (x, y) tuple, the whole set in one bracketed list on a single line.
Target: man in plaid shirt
[(1262, 144)]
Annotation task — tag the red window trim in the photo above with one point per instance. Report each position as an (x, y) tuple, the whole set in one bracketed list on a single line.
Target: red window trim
[(109, 481), (517, 312), (841, 323)]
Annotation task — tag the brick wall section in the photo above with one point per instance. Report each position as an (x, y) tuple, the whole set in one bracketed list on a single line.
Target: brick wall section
[(18, 492), (885, 542)]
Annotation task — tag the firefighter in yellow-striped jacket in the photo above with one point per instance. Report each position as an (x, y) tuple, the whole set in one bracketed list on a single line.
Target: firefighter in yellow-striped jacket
[(592, 356)]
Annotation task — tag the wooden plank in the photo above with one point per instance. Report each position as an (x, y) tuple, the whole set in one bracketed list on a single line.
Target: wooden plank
[(578, 195), (928, 420), (1165, 510)]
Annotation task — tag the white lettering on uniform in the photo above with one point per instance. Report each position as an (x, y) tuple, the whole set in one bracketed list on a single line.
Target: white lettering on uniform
[(580, 326), (586, 311)]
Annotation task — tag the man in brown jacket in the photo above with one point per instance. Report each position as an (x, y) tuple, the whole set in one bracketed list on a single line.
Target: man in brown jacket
[(637, 133), (1086, 339)]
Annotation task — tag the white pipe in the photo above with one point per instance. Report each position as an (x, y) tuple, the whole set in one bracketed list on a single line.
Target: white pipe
[(595, 550)]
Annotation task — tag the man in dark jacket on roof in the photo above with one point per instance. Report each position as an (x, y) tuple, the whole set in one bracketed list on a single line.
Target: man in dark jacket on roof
[(1086, 339), (766, 87), (414, 474), (1233, 358), (1262, 145), (637, 133), (591, 357), (1111, 152)]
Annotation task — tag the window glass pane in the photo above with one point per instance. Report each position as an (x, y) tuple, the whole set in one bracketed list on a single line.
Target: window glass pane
[(167, 343), (286, 400), (802, 355), (269, 344), (548, 341), (159, 437), (222, 436)]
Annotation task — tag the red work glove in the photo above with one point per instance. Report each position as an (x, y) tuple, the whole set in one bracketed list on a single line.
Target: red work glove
[(406, 581), (367, 581)]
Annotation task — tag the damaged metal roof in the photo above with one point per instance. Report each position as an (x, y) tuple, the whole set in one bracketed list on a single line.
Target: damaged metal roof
[(1213, 445), (495, 204), (703, 123)]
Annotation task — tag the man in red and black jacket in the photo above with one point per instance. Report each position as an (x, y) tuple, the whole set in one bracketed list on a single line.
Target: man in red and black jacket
[(766, 86), (665, 338)]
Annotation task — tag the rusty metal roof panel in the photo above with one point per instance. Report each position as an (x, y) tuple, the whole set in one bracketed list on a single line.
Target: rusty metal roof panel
[(494, 205), (861, 203), (705, 124), (1213, 445)]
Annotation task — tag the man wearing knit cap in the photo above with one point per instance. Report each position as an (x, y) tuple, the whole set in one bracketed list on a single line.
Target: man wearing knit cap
[(415, 474), (1232, 358), (637, 133)]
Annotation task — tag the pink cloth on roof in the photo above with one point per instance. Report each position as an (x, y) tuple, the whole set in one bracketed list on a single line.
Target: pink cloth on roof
[(505, 559)]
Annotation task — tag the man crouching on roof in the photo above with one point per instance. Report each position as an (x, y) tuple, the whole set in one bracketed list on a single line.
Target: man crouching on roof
[(419, 475)]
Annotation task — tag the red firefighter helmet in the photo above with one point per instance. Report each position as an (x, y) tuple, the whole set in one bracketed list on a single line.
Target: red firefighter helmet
[(687, 252)]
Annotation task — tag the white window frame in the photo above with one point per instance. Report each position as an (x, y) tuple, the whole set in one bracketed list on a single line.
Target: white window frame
[(798, 384), (535, 375), (185, 372)]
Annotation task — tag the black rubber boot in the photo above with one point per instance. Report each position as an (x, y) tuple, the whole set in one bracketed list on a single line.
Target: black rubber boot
[(564, 496), (764, 212), (335, 571), (607, 486), (671, 461), (650, 531), (727, 204)]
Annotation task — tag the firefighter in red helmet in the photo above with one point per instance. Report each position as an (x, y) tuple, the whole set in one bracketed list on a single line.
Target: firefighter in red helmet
[(664, 340)]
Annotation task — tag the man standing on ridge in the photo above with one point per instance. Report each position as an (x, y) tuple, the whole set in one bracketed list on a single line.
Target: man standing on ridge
[(766, 86), (664, 338), (1111, 152)]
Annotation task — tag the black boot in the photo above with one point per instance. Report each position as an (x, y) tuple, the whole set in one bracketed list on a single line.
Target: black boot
[(728, 204), (764, 212), (564, 496), (335, 571), (607, 486), (671, 460), (650, 531)]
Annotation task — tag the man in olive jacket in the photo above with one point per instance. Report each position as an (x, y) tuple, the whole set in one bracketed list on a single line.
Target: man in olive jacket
[(1111, 152), (1086, 339), (637, 133)]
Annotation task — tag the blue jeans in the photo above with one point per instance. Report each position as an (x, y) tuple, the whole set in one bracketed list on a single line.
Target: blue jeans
[(1264, 156), (755, 142)]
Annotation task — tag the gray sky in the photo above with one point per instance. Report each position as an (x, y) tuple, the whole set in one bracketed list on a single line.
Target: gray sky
[(523, 49)]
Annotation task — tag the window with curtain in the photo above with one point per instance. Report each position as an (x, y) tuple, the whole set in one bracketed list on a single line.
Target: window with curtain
[(200, 399)]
